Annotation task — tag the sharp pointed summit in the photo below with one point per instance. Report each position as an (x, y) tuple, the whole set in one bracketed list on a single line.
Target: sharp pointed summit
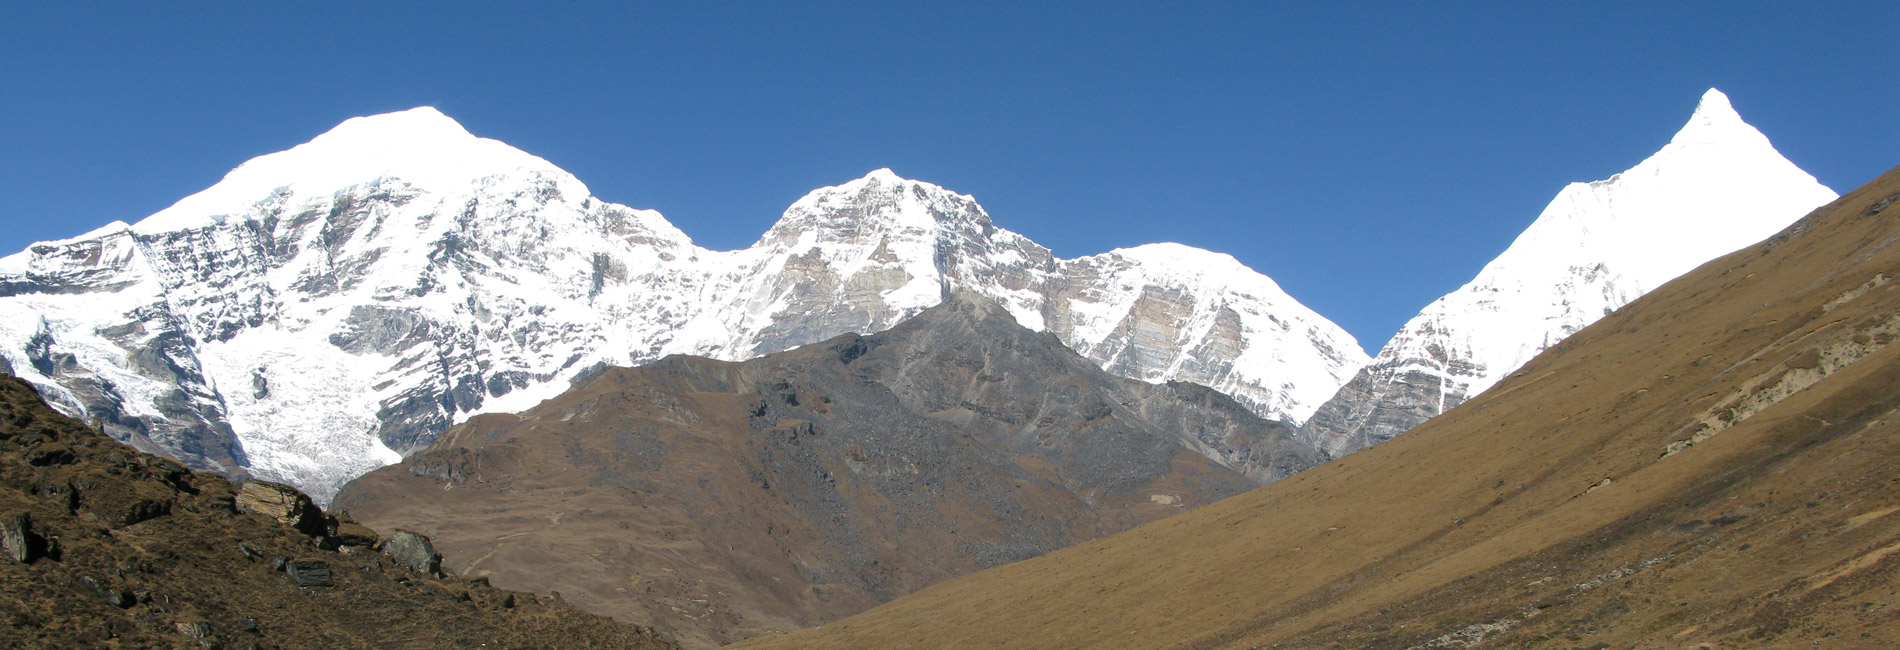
[(1716, 187), (1715, 106)]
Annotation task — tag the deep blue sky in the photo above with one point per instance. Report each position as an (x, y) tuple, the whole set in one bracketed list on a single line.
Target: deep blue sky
[(1368, 157)]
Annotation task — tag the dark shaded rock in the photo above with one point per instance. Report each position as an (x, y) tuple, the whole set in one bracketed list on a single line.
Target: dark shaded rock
[(141, 510), (414, 551), (113, 596), (278, 563), (18, 540), (309, 573), (53, 454)]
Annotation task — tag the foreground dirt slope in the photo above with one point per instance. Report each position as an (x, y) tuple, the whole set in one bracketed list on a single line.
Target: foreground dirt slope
[(107, 547), (718, 501), (1712, 466)]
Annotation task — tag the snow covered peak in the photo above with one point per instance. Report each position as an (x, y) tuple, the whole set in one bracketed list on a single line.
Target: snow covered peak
[(1715, 106), (1179, 256), (420, 147), (883, 175), (878, 204), (1715, 122), (879, 181), (1717, 186)]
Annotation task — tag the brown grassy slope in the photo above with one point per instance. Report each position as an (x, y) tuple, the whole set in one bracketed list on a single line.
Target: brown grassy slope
[(1546, 513), (148, 552)]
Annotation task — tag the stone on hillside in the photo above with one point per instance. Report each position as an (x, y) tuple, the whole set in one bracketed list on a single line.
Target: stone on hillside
[(350, 533), (50, 454), (309, 574), (17, 538), (414, 551), (283, 503)]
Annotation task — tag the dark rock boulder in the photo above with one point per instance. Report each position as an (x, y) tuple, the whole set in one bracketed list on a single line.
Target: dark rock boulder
[(350, 533), (414, 551), (310, 574), (18, 540)]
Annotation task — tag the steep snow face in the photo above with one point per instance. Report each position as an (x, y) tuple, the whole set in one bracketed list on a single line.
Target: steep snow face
[(1716, 187), (297, 325), (325, 309), (1172, 312), (859, 257)]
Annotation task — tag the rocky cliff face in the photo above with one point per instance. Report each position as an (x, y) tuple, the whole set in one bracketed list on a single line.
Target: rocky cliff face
[(718, 501), (324, 310), (1718, 186)]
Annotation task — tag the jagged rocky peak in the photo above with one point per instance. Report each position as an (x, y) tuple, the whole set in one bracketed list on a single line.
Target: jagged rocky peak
[(1717, 186), (1169, 311), (878, 203)]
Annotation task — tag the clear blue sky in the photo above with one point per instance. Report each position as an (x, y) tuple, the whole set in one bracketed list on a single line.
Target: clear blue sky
[(1369, 157)]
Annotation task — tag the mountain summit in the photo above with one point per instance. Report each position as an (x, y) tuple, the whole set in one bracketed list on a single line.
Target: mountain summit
[(419, 147), (323, 310), (1716, 187)]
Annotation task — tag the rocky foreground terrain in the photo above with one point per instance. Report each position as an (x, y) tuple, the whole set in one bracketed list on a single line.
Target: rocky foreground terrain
[(1711, 466), (106, 547), (717, 501)]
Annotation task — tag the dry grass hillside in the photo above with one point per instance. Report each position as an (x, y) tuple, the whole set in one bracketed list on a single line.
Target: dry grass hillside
[(1713, 466), (105, 547)]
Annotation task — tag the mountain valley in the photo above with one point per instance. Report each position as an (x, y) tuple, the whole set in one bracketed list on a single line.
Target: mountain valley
[(895, 419)]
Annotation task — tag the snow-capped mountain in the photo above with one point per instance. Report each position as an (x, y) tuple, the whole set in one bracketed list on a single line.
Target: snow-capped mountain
[(325, 309), (1716, 187)]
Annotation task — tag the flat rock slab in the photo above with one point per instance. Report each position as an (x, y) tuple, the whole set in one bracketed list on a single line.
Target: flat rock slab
[(309, 574)]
